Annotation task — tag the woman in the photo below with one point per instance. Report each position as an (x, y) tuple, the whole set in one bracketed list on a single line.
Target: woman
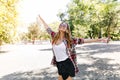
[(63, 45)]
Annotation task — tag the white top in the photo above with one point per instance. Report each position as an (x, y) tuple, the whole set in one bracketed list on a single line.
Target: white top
[(60, 52)]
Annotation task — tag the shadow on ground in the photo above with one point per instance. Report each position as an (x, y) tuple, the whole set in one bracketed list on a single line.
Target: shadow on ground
[(3, 52), (98, 48), (42, 74), (49, 49), (100, 69)]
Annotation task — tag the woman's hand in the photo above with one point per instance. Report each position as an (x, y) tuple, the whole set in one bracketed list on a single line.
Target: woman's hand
[(106, 40), (42, 21)]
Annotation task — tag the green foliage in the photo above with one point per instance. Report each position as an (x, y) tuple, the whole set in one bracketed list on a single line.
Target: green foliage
[(8, 22), (33, 31), (71, 26), (100, 18)]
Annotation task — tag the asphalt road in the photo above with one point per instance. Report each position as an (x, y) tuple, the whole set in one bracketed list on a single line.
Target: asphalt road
[(28, 57), (96, 61)]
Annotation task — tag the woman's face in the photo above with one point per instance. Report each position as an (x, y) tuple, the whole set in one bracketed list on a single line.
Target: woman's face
[(63, 27)]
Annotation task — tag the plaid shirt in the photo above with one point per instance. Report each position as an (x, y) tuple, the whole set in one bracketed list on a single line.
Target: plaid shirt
[(70, 51)]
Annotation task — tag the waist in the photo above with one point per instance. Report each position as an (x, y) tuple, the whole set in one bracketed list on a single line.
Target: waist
[(64, 60)]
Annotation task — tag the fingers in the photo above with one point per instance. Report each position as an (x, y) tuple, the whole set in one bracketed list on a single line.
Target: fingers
[(39, 16), (40, 19), (103, 40), (108, 39)]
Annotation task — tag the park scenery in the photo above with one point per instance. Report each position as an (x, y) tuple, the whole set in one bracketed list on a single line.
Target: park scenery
[(25, 46)]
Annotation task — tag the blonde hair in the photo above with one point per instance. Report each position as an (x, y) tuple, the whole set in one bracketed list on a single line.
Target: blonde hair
[(67, 36)]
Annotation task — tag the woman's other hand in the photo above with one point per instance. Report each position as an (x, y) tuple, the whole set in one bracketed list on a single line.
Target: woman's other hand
[(105, 40)]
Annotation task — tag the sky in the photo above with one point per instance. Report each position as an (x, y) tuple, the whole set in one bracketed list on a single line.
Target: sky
[(48, 9)]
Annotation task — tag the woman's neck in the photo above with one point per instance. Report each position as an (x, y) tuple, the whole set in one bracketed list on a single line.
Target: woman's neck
[(62, 36)]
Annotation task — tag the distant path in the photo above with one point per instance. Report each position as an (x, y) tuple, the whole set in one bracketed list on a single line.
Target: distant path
[(96, 61)]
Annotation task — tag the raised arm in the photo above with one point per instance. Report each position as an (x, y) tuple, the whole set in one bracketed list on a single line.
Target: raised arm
[(48, 29), (43, 22)]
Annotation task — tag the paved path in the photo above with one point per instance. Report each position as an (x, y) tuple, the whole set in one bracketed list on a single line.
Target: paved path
[(96, 61)]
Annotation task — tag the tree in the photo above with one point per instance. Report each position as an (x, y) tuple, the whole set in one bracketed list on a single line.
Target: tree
[(62, 16), (33, 31), (8, 20), (94, 18)]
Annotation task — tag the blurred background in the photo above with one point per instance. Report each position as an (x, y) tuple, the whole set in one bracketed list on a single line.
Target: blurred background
[(87, 19)]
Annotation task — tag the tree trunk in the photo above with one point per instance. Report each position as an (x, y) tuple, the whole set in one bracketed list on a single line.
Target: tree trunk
[(0, 42)]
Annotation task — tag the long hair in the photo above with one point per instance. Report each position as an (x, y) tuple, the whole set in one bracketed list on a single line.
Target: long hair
[(67, 34)]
